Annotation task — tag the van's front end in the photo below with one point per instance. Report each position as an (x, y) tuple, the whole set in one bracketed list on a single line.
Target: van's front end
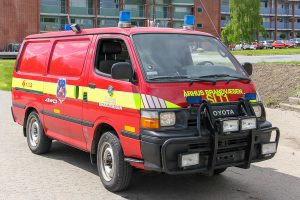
[(200, 110)]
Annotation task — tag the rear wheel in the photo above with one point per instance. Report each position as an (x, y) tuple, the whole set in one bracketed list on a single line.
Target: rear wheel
[(114, 172), (37, 141), (219, 171)]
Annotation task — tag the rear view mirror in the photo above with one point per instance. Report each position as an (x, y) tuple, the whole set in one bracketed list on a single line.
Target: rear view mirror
[(122, 71), (248, 68)]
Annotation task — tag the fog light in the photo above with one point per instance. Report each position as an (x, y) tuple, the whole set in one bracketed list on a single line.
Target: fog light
[(230, 125), (189, 159), (248, 124), (268, 148)]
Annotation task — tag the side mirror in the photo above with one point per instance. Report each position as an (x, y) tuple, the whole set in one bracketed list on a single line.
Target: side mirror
[(122, 71), (248, 68)]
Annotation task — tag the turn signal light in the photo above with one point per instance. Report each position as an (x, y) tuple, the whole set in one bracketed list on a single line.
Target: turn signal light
[(149, 123)]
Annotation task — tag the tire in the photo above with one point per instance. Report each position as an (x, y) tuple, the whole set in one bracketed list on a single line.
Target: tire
[(37, 141), (219, 171), (114, 172)]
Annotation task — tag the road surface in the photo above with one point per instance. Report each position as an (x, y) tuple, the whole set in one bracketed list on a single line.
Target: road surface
[(275, 58), (66, 173)]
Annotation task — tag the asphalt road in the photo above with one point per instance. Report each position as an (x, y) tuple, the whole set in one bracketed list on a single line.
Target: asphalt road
[(66, 173)]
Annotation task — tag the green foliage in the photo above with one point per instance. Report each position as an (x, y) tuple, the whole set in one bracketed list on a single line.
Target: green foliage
[(298, 35), (282, 36), (6, 70), (245, 24)]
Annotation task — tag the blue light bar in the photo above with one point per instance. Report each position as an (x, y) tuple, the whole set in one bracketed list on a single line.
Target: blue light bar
[(125, 16), (189, 20), (194, 100), (250, 96)]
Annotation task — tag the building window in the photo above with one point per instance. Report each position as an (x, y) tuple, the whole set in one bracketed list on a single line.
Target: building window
[(298, 20), (200, 10), (199, 26), (223, 17)]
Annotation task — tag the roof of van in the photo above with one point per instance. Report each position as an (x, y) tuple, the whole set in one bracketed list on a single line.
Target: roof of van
[(116, 30)]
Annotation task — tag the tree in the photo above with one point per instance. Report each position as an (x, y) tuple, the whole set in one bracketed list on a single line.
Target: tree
[(282, 36), (246, 22)]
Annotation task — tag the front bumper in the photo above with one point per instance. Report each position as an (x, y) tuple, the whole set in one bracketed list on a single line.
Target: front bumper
[(162, 151)]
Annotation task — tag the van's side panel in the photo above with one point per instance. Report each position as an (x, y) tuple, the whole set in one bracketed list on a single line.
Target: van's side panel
[(27, 86), (124, 113), (63, 83)]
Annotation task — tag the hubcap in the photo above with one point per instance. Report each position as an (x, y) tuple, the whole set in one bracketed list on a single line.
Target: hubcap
[(107, 161), (34, 132)]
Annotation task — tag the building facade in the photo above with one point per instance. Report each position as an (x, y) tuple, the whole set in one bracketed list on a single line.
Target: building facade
[(281, 18), (21, 18)]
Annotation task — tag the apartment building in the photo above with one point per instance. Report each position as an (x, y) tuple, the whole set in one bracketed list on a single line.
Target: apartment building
[(281, 18)]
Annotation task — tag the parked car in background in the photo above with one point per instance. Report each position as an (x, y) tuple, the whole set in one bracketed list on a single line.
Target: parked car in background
[(279, 44), (248, 47), (267, 44), (289, 44), (296, 41), (258, 45)]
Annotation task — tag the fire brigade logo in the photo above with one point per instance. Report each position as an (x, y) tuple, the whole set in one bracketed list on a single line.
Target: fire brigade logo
[(61, 90)]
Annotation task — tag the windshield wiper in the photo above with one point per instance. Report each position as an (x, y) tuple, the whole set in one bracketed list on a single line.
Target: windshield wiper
[(191, 79), (227, 75), (168, 77)]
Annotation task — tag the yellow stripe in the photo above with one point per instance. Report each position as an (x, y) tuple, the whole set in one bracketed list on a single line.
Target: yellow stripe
[(118, 98)]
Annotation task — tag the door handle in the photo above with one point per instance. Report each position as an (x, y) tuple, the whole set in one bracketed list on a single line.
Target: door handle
[(92, 85)]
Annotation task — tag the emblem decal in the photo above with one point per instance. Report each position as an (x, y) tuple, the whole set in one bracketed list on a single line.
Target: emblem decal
[(61, 89), (110, 90)]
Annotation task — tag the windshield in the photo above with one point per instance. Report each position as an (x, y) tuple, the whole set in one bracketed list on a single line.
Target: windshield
[(182, 56)]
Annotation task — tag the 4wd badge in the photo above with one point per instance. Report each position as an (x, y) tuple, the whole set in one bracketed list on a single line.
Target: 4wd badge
[(61, 89)]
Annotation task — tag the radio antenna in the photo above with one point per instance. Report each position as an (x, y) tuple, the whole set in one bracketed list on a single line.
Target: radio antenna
[(211, 21)]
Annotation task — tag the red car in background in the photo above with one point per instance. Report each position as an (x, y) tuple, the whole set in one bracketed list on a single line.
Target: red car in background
[(279, 44), (289, 44)]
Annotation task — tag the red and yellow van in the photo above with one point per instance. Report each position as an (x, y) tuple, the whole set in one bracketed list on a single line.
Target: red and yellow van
[(158, 99)]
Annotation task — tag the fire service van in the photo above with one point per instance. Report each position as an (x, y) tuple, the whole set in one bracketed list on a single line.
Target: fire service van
[(174, 101)]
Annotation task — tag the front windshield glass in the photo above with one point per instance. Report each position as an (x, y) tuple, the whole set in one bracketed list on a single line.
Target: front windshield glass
[(181, 56)]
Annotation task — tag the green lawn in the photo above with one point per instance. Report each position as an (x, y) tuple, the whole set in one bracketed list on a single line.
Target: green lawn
[(6, 69), (267, 52)]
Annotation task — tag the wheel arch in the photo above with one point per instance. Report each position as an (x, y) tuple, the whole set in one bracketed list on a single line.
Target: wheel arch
[(27, 112), (99, 130)]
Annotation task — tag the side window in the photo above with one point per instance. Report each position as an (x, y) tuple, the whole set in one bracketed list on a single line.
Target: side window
[(68, 57), (34, 57), (109, 52)]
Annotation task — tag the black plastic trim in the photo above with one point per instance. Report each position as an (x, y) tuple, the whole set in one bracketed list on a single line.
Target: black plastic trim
[(66, 118), (131, 135), (17, 105), (29, 91)]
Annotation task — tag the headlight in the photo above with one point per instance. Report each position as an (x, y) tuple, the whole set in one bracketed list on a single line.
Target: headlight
[(258, 110), (167, 119), (248, 124), (230, 125)]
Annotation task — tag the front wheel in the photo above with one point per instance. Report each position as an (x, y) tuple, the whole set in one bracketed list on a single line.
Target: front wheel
[(37, 141), (114, 172)]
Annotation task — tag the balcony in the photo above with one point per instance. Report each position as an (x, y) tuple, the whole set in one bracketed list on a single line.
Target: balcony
[(81, 11), (110, 12), (162, 12), (284, 25), (49, 26), (136, 11), (183, 2), (284, 12), (180, 15), (225, 9), (56, 9)]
